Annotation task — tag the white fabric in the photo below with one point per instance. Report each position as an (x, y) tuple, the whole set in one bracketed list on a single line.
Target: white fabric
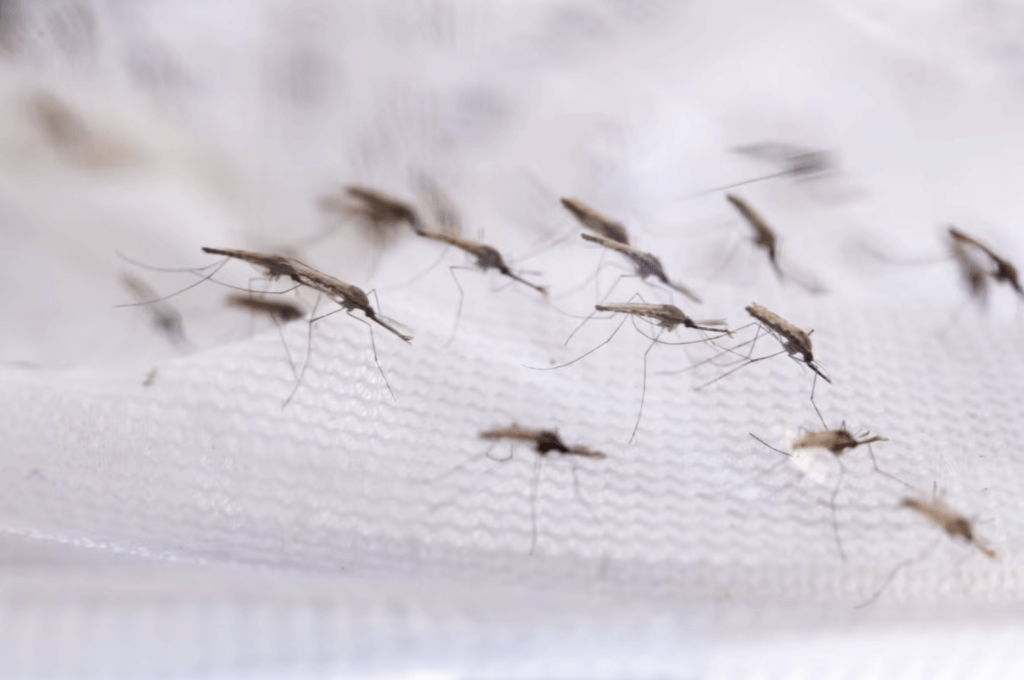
[(195, 527)]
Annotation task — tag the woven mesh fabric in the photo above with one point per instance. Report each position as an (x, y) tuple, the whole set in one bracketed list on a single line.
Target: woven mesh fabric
[(167, 514)]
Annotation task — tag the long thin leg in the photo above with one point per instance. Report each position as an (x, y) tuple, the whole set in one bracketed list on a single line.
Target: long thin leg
[(534, 486), (417, 277), (284, 343), (730, 372), (895, 571), (309, 351), (712, 359), (582, 356), (820, 417), (874, 462), (832, 504), (458, 311), (731, 253), (643, 391), (376, 359)]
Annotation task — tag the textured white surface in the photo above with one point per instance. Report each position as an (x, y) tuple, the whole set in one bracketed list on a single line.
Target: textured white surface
[(194, 528)]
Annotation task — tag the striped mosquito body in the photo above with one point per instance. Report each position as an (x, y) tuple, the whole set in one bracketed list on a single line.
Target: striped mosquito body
[(596, 222), (544, 441), (646, 264), (836, 442), (666, 316)]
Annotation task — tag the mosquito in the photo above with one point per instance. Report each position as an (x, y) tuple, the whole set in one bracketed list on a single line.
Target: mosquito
[(837, 442), (544, 442), (792, 161), (974, 273), (950, 521), (666, 317), (596, 222), (946, 518), (347, 296), (165, 317), (764, 235), (646, 264), (279, 310), (375, 208), (795, 342)]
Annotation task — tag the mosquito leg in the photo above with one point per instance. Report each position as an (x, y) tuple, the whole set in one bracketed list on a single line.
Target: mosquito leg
[(309, 351), (417, 277), (643, 390), (582, 356), (832, 504), (458, 312), (730, 253), (814, 384), (284, 343), (730, 372), (534, 486), (895, 571), (376, 360), (882, 472)]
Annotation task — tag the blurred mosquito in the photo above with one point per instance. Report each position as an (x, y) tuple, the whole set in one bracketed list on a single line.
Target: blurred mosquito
[(969, 254), (646, 264), (837, 442), (978, 264), (766, 239), (281, 311), (666, 317), (165, 317), (382, 213), (792, 161), (956, 526), (596, 222), (544, 442)]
